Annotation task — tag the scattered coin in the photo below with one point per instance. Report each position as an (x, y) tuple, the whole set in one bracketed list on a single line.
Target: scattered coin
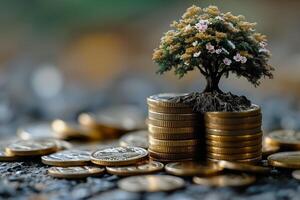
[(268, 149), (5, 157), (31, 147), (68, 158), (137, 138), (138, 169), (296, 174), (75, 172), (227, 180), (151, 183), (238, 138), (253, 111), (190, 168), (287, 139), (235, 166), (173, 117), (289, 160), (115, 156)]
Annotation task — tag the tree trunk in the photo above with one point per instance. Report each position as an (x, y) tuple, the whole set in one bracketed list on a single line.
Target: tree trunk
[(212, 85)]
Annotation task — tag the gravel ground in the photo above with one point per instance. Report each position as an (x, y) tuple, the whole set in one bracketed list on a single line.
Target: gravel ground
[(29, 180)]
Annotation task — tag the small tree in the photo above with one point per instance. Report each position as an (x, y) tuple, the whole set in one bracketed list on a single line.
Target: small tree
[(216, 44)]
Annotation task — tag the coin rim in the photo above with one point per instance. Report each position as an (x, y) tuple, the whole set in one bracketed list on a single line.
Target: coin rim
[(57, 174)]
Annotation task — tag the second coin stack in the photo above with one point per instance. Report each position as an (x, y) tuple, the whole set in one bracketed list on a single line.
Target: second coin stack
[(173, 129), (234, 136)]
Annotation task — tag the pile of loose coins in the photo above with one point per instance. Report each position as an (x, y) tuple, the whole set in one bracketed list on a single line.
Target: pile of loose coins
[(234, 136), (173, 129)]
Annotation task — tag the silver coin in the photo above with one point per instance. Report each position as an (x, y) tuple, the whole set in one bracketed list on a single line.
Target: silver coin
[(137, 138), (68, 158), (76, 172), (151, 183)]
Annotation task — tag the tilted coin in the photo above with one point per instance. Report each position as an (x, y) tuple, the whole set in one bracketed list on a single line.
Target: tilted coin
[(232, 151), (31, 147), (115, 156), (233, 127), (166, 100), (173, 117), (75, 172), (233, 121), (236, 166), (190, 168), (151, 183), (170, 110), (227, 180), (164, 130), (296, 174), (232, 132), (39, 130), (234, 156), (138, 169), (289, 160), (287, 139), (175, 136), (268, 149), (167, 149), (177, 143), (257, 142), (137, 138), (68, 158), (172, 156), (253, 111), (233, 138), (173, 124)]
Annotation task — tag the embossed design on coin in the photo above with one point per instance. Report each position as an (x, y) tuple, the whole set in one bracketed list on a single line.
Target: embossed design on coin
[(151, 183), (137, 138), (68, 158), (75, 172), (288, 139), (145, 168), (31, 147), (289, 160), (228, 180), (114, 156)]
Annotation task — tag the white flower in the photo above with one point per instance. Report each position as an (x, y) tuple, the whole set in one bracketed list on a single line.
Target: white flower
[(195, 43), (244, 59), (202, 25), (239, 58), (188, 27), (263, 44), (230, 25), (186, 63), (227, 61), (197, 54), (223, 49), (263, 50), (218, 51), (231, 44), (219, 18), (210, 48)]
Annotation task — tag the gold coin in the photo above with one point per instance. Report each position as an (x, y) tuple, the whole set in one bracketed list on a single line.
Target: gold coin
[(233, 127), (165, 100), (173, 117), (151, 183), (31, 147), (117, 156), (232, 132), (234, 138), (5, 157), (42, 130), (172, 124), (234, 156), (289, 160), (232, 151), (166, 149), (190, 168), (236, 166), (296, 174), (249, 161), (268, 149), (68, 158), (164, 130), (75, 172), (256, 142), (233, 121), (175, 136), (253, 111), (287, 139), (171, 156), (172, 143), (227, 180), (168, 161), (137, 138), (169, 110), (138, 169)]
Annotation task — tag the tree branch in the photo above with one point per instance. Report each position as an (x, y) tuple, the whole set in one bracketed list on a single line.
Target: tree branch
[(202, 71)]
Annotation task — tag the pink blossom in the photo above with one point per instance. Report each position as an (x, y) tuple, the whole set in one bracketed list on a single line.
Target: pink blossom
[(218, 51), (210, 48), (244, 59), (227, 61), (237, 57), (202, 25)]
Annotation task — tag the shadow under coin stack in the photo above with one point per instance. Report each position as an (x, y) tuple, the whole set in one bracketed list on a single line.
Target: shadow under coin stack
[(172, 126), (234, 136)]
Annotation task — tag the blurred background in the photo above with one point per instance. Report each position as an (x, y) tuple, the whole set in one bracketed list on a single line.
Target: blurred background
[(59, 58)]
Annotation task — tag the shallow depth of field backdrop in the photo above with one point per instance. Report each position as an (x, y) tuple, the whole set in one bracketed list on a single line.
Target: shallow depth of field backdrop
[(61, 57)]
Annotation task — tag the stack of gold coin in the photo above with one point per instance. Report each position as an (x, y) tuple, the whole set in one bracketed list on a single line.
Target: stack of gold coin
[(234, 136), (172, 129)]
